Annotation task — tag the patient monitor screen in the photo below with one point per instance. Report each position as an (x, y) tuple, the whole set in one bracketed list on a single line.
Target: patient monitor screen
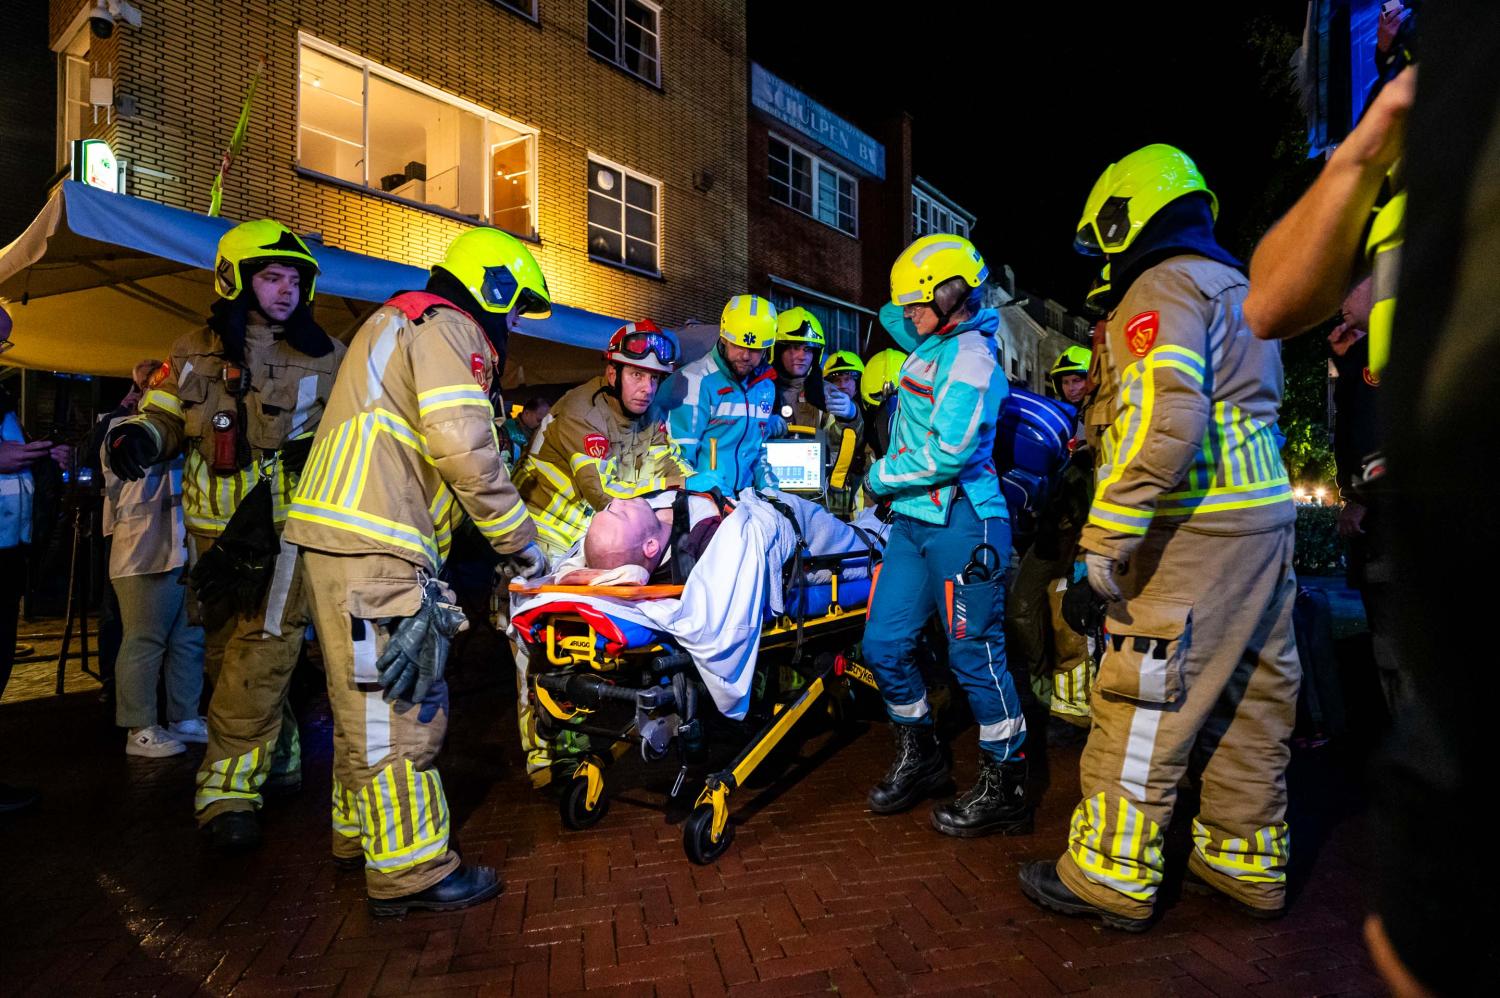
[(797, 464)]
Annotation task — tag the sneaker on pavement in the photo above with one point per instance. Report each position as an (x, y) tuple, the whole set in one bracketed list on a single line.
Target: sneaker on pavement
[(153, 743), (194, 729)]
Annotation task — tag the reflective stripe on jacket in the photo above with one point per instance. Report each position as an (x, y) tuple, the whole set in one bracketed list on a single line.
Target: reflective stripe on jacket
[(408, 444), (1194, 397), (285, 402), (943, 435), (588, 451), (719, 423)]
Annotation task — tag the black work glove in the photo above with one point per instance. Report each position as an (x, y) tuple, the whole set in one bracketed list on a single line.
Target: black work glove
[(130, 450), (414, 658)]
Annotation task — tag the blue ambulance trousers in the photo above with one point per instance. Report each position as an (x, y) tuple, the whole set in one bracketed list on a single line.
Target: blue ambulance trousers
[(920, 574)]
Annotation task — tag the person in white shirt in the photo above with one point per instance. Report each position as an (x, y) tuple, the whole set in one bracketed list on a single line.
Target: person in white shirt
[(145, 567)]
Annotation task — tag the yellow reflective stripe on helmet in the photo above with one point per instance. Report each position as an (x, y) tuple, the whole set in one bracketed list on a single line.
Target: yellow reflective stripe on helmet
[(451, 396), (1127, 859), (1260, 859), (165, 401)]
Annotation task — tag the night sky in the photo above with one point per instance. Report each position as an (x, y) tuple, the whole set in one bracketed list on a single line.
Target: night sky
[(1019, 106)]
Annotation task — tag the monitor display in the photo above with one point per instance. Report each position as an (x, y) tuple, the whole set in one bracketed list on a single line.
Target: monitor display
[(797, 464)]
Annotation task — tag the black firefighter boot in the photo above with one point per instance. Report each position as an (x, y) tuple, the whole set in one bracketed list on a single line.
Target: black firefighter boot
[(996, 803), (919, 771)]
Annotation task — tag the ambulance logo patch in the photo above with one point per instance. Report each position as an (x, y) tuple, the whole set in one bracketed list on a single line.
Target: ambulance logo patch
[(1140, 333), (596, 445), (481, 368), (159, 375), (1371, 378)]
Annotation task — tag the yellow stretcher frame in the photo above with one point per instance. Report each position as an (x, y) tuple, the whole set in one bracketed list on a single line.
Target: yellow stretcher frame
[(707, 832)]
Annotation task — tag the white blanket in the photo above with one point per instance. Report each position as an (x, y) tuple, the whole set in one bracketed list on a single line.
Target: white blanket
[(719, 618)]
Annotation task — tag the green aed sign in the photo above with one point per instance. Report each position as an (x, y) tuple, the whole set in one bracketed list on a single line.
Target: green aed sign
[(94, 164)]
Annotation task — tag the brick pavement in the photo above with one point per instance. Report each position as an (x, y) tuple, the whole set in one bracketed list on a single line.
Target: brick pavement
[(110, 891)]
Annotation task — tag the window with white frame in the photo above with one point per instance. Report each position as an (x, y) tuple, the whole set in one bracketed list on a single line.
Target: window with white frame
[(367, 125), (75, 114), (929, 215), (624, 217), (628, 34), (802, 181), (841, 324)]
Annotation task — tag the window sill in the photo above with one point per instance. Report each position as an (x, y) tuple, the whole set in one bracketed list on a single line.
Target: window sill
[(827, 225), (431, 209), (612, 64), (650, 275)]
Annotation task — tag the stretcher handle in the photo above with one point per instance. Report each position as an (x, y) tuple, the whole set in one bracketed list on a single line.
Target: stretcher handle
[(674, 660)]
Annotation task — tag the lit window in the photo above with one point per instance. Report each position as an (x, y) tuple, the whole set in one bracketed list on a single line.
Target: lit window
[(367, 125), (800, 180), (628, 34), (624, 217)]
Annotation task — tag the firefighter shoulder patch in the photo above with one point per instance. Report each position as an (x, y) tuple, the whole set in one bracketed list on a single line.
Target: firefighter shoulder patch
[(480, 365), (596, 445), (1140, 332), (159, 375)]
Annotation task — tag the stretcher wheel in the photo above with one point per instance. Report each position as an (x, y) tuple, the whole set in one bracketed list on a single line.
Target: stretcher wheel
[(697, 836), (574, 806)]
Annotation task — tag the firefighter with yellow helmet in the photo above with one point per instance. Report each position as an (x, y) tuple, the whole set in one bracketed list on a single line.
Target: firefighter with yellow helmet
[(949, 544), (803, 395), (408, 449), (719, 407), (1189, 540), (242, 398)]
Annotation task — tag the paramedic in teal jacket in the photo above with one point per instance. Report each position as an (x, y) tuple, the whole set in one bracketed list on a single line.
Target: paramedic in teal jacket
[(718, 407), (949, 544)]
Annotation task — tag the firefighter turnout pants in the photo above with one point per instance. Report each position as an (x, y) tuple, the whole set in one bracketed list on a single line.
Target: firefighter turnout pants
[(252, 732), (388, 802), (1199, 673), (919, 575)]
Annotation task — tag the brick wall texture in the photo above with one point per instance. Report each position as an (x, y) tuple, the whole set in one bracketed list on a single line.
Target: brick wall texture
[(188, 65)]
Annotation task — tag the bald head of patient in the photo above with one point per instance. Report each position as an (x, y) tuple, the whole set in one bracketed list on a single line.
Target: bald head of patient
[(627, 532)]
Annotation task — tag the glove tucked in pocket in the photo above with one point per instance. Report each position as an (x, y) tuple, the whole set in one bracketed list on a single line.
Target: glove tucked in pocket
[(1145, 649)]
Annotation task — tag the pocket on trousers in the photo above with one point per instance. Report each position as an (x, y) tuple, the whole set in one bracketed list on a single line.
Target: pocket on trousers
[(1144, 650), (970, 609), (377, 599)]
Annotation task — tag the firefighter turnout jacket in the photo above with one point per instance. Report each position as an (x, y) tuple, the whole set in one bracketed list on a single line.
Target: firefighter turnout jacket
[(408, 443), (588, 451), (284, 401), (1192, 398)]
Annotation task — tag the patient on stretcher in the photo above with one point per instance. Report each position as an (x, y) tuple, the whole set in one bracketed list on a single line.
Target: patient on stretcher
[(732, 580), (659, 539)]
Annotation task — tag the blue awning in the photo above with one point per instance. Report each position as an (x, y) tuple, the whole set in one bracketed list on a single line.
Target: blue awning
[(119, 267)]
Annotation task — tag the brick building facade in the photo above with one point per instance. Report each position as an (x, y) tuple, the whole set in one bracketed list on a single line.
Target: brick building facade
[(656, 127)]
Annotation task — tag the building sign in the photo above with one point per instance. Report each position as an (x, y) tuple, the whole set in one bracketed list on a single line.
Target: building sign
[(94, 164), (807, 117)]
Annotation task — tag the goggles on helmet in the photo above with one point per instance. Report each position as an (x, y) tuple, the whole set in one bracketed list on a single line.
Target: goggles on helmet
[(638, 345)]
